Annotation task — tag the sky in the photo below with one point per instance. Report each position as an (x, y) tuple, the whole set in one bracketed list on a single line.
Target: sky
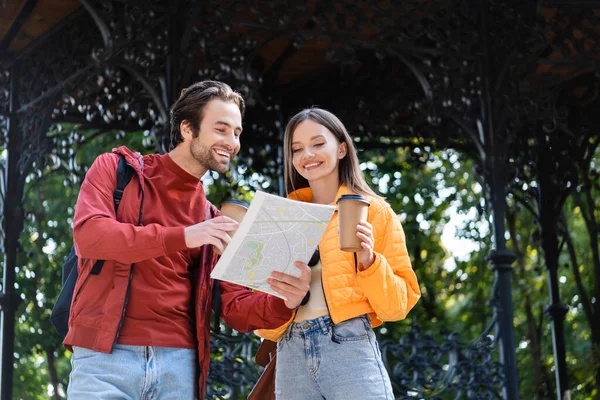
[(460, 248)]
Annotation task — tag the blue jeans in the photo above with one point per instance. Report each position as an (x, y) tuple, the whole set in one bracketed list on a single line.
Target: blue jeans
[(319, 360), (132, 373)]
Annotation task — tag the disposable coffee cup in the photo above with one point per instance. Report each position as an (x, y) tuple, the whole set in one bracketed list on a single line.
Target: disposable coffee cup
[(234, 209), (352, 209)]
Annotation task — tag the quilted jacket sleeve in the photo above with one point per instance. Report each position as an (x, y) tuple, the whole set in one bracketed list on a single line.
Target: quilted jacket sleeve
[(390, 284)]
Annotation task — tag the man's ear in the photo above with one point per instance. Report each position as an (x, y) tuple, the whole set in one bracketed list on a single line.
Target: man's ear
[(342, 150), (186, 130)]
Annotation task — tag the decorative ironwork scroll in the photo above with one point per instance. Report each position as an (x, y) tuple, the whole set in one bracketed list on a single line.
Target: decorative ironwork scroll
[(420, 366), (4, 121), (424, 368), (47, 70), (4, 104), (233, 371)]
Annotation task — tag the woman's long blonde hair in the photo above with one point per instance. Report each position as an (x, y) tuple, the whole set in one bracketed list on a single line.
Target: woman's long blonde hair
[(349, 170)]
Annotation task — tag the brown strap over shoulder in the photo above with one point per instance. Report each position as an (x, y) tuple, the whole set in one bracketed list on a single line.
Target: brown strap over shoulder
[(263, 355)]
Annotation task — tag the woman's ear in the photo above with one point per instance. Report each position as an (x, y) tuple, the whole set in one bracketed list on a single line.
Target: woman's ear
[(342, 150)]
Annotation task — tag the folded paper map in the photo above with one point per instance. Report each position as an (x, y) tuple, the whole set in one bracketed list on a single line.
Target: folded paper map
[(274, 234)]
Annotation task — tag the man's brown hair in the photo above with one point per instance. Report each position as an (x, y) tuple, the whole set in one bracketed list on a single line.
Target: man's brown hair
[(191, 102)]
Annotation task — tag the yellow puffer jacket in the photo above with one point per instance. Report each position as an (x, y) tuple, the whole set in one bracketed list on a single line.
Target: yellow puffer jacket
[(387, 290)]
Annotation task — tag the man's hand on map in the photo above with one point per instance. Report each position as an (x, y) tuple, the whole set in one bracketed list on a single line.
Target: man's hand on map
[(294, 289), (213, 231)]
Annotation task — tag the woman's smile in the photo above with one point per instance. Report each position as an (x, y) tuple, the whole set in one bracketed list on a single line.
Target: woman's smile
[(312, 165)]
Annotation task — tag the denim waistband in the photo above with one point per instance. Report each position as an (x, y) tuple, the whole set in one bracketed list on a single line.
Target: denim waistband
[(312, 325)]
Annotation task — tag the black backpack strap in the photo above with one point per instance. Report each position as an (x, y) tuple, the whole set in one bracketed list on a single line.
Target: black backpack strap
[(62, 308), (124, 174), (216, 304)]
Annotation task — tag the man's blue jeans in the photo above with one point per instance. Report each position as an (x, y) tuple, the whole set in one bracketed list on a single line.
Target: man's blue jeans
[(133, 373), (318, 360)]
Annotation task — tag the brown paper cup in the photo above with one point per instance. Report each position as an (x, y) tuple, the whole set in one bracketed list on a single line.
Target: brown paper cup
[(234, 209), (352, 209)]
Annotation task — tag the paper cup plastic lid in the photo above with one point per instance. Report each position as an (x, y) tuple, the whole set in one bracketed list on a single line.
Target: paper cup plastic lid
[(236, 202), (358, 197)]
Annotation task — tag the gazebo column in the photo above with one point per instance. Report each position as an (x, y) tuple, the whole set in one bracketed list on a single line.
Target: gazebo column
[(12, 212), (501, 259), (27, 145), (495, 164), (550, 202)]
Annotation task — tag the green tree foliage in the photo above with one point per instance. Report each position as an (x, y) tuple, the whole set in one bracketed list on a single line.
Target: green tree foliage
[(426, 188)]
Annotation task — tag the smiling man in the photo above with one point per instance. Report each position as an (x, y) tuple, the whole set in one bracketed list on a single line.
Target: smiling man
[(138, 326)]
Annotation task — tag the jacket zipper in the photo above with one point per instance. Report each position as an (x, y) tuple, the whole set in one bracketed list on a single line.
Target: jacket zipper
[(128, 291), (124, 304)]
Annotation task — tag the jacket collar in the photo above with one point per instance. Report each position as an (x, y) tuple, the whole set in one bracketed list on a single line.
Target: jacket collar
[(306, 195), (133, 158)]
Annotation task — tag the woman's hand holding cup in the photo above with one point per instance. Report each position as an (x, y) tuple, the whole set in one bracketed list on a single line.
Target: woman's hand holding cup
[(364, 232), (356, 233)]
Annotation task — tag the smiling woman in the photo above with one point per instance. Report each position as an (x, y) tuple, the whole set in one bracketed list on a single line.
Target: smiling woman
[(316, 153), (350, 292), (320, 135)]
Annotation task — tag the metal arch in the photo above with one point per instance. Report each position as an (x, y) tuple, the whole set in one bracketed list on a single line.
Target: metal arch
[(423, 81), (473, 135), (56, 89), (104, 31), (109, 47), (164, 115)]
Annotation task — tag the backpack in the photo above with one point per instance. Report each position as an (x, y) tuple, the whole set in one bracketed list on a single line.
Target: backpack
[(62, 308)]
